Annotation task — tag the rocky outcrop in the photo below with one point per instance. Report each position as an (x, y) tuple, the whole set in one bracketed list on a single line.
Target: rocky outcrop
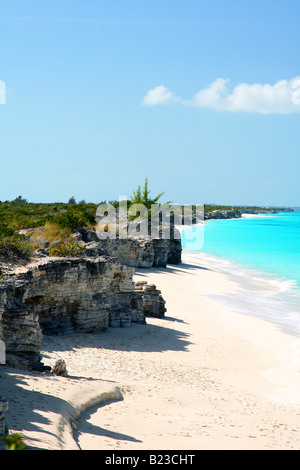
[(129, 252), (63, 295), (224, 214), (152, 300), (60, 368), (138, 252), (3, 419), (238, 212)]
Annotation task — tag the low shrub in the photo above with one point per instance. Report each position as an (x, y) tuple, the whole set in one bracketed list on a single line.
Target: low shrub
[(14, 442), (17, 243), (66, 249), (6, 231), (72, 220), (49, 234)]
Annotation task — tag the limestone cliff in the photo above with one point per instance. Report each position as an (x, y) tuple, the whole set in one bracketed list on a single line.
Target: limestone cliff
[(140, 252), (64, 295)]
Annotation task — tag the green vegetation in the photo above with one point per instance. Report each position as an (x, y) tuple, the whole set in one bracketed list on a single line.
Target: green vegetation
[(54, 223), (143, 196), (73, 219), (212, 207), (64, 249), (14, 442), (72, 200), (20, 214), (18, 244), (50, 233)]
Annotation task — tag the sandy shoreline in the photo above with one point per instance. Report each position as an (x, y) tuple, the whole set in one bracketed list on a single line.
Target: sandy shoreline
[(204, 377)]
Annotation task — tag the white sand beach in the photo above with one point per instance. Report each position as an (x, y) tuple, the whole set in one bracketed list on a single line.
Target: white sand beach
[(204, 377)]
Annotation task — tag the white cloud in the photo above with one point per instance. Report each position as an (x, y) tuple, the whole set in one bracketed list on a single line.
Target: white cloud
[(281, 98), (159, 95)]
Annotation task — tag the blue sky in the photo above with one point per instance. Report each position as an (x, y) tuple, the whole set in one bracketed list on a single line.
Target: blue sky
[(195, 95)]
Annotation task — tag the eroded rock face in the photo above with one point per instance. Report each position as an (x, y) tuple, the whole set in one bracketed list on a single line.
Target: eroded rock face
[(224, 214), (152, 299), (3, 420), (138, 252), (129, 252), (63, 295)]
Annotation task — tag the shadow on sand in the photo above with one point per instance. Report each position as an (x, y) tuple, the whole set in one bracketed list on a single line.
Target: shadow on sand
[(139, 338), (174, 269), (30, 403), (88, 428)]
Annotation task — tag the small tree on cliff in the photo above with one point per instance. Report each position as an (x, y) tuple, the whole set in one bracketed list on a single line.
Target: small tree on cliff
[(143, 196)]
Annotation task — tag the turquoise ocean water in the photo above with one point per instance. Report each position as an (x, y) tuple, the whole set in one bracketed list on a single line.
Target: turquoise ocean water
[(263, 254)]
